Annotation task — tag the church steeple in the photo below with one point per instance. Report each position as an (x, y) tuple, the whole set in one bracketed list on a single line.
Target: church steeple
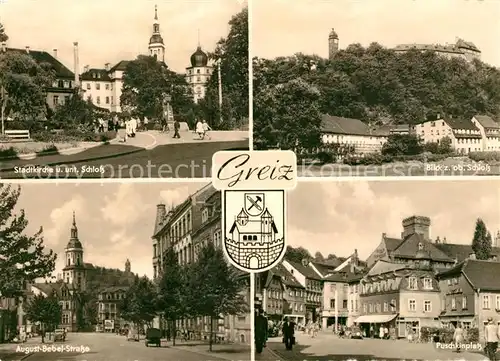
[(74, 228), (127, 266), (156, 45)]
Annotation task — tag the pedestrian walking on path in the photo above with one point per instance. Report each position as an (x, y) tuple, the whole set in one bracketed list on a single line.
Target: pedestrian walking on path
[(200, 129), (177, 125), (206, 128), (260, 330), (458, 336), (288, 333)]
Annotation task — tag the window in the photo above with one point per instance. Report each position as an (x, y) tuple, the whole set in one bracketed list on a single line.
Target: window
[(427, 306), (453, 303), (379, 307), (344, 304), (107, 86), (412, 305), (332, 303), (427, 283), (107, 100), (412, 283), (497, 303), (464, 302), (352, 305), (393, 305), (364, 308), (56, 100), (198, 78), (88, 86), (98, 86), (370, 308), (386, 307), (333, 287), (486, 302), (98, 100), (198, 71), (65, 319)]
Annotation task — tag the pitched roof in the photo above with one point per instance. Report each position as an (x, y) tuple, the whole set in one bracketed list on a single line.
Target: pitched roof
[(410, 246), (251, 227), (305, 270), (48, 288), (340, 125), (112, 289), (327, 268), (381, 267), (459, 124), (121, 66), (392, 243), (40, 57), (95, 75), (461, 251), (286, 277), (481, 274), (487, 122)]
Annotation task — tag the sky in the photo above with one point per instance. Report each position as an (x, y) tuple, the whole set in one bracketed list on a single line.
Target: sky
[(338, 217), (115, 221), (109, 31), (286, 27)]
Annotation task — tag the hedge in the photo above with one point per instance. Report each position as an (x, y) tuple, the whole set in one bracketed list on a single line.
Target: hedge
[(484, 156), (68, 136), (445, 334)]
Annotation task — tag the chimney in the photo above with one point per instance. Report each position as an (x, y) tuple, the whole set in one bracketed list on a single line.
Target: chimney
[(416, 225), (54, 53), (438, 116), (76, 64), (107, 66), (4, 46), (384, 235), (438, 240), (86, 68), (161, 212), (28, 49), (444, 240)]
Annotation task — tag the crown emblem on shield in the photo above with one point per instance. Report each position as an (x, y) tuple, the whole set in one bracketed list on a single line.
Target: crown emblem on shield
[(254, 228)]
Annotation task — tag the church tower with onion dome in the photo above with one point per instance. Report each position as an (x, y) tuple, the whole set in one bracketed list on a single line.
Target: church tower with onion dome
[(156, 46), (198, 74)]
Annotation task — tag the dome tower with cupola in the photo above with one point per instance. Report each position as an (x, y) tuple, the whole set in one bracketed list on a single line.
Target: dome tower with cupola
[(74, 268), (333, 44), (156, 46), (198, 74)]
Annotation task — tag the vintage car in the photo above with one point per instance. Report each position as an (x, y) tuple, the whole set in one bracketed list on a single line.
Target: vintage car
[(153, 337), (355, 332), (59, 335)]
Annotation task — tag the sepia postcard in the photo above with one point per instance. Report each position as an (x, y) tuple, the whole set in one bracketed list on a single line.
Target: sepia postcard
[(378, 88), (121, 89), (118, 272)]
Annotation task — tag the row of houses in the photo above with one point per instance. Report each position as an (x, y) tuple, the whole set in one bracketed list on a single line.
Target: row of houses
[(188, 227), (479, 134), (405, 284)]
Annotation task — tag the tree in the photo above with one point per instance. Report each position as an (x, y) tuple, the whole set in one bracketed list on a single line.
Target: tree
[(287, 116), (45, 310), (75, 114), (216, 287), (139, 305), (481, 242), (24, 258), (172, 291), (318, 256), (23, 84), (297, 254), (232, 54), (145, 83), (402, 144)]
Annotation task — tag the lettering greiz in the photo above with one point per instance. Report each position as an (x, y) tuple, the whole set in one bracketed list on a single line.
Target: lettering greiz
[(234, 170)]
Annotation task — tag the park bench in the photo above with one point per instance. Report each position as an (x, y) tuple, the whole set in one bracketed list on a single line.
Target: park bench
[(18, 135)]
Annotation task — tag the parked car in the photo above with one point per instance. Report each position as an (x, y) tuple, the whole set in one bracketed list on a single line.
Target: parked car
[(153, 337), (60, 335), (355, 332)]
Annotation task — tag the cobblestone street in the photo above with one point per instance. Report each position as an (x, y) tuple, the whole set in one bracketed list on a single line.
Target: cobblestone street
[(329, 347)]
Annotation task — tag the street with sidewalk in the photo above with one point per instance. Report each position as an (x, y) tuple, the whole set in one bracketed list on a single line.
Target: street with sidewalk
[(112, 347), (327, 346), (150, 154)]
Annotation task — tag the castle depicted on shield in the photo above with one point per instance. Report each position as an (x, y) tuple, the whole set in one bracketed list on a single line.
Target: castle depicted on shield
[(252, 241)]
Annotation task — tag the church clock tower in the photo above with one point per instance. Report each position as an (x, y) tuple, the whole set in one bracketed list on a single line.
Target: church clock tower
[(74, 269), (156, 46)]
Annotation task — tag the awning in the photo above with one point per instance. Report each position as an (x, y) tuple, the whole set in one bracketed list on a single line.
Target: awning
[(375, 318)]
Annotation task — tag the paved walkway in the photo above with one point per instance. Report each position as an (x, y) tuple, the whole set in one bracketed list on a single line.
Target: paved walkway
[(233, 352)]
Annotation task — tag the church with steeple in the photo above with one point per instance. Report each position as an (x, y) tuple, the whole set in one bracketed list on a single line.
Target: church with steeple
[(103, 86), (74, 269)]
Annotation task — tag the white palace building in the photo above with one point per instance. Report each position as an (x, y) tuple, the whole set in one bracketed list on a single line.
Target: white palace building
[(103, 86)]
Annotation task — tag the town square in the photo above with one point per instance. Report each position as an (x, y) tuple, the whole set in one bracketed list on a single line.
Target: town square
[(165, 94), (173, 297), (384, 271)]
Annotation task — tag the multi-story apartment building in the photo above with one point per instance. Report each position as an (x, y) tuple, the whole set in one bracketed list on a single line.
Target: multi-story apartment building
[(402, 297), (272, 294), (470, 294), (464, 134), (312, 281), (490, 132), (108, 309), (65, 81), (187, 228)]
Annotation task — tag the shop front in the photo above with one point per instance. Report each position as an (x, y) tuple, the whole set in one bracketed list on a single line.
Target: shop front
[(409, 327), (312, 313), (370, 324)]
